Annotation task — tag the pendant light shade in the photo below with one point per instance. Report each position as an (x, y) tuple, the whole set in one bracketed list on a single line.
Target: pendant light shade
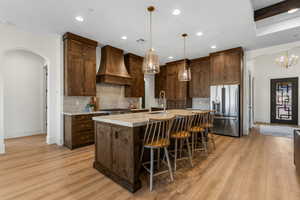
[(184, 73), (151, 60), (287, 60)]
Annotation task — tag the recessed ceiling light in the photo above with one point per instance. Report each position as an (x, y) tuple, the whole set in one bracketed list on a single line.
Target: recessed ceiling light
[(293, 10), (199, 33), (176, 12), (170, 57), (124, 37), (79, 18), (213, 47)]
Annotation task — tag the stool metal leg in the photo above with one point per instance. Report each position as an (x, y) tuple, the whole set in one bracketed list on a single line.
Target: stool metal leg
[(204, 142), (175, 158), (151, 168), (189, 151), (169, 164)]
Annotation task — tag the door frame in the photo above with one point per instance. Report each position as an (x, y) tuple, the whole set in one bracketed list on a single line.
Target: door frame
[(295, 89)]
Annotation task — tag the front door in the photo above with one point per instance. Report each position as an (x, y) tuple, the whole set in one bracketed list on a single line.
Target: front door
[(284, 101)]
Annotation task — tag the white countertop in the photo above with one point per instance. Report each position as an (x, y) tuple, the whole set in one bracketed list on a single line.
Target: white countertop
[(138, 119)]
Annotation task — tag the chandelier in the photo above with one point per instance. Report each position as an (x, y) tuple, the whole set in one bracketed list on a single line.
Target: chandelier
[(287, 60), (151, 60), (184, 73)]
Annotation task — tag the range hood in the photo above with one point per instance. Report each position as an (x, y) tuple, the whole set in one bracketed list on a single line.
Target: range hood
[(112, 67)]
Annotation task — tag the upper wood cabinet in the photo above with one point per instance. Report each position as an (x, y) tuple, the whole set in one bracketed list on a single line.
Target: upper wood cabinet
[(199, 85), (226, 67), (79, 65), (160, 80), (134, 65), (177, 92)]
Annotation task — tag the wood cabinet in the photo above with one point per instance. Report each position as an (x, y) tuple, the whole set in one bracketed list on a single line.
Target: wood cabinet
[(160, 81), (79, 65), (134, 66), (79, 130), (117, 153), (226, 67), (199, 85), (177, 92)]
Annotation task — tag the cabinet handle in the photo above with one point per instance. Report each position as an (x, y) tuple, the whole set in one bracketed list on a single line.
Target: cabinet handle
[(116, 134)]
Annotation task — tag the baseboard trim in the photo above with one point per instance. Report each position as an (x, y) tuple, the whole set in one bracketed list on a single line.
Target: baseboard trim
[(51, 140), (23, 134), (2, 148)]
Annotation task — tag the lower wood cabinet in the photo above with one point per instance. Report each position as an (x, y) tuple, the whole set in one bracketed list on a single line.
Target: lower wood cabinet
[(117, 153), (79, 130)]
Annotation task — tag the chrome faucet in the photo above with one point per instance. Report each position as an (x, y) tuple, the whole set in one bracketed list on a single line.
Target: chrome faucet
[(162, 99)]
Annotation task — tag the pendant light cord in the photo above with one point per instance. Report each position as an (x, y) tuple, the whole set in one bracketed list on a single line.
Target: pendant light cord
[(151, 30), (184, 48)]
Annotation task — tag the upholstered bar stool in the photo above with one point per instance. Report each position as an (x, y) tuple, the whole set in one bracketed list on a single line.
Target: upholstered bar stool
[(157, 137), (180, 133), (197, 128)]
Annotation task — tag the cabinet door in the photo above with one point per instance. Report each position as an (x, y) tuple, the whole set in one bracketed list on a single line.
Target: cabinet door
[(217, 69), (89, 55), (122, 159), (89, 78), (181, 91), (232, 68), (171, 81), (134, 66), (199, 85), (75, 78), (104, 145), (160, 81)]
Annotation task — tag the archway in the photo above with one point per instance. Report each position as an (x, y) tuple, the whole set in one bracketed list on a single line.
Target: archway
[(22, 95)]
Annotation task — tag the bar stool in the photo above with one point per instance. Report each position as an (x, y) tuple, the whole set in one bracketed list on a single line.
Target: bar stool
[(197, 128), (180, 132), (208, 125), (157, 136)]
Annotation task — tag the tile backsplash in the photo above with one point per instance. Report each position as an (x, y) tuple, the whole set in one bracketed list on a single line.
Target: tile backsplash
[(201, 103), (113, 96), (109, 96)]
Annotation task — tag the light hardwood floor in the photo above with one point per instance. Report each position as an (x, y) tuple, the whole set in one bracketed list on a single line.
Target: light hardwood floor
[(256, 167)]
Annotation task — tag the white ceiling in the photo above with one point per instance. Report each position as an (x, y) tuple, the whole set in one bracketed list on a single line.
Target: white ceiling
[(258, 4), (226, 24)]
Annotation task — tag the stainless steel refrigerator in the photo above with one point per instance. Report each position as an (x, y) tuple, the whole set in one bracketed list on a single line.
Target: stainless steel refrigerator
[(225, 100)]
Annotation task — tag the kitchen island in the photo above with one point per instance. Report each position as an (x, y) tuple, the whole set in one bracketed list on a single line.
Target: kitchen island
[(118, 140)]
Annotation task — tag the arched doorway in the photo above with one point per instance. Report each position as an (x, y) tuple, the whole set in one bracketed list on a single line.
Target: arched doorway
[(24, 97)]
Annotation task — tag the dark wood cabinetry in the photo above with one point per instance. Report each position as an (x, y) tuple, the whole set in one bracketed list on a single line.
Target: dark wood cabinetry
[(177, 92), (160, 81), (79, 65), (134, 65), (226, 67), (79, 130), (117, 153), (199, 85)]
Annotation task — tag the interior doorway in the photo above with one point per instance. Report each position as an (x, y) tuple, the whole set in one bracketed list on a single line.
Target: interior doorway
[(284, 101), (24, 94)]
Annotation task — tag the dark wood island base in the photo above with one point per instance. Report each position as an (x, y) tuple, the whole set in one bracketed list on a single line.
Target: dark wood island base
[(132, 187), (117, 151)]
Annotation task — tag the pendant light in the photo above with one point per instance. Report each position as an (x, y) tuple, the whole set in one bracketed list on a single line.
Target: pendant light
[(184, 73), (151, 60), (287, 60)]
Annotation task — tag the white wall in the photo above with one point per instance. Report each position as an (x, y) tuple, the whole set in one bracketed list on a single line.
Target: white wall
[(150, 100), (24, 94), (265, 69), (48, 46)]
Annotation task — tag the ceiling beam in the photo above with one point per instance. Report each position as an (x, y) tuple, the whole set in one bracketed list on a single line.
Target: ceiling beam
[(276, 9)]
